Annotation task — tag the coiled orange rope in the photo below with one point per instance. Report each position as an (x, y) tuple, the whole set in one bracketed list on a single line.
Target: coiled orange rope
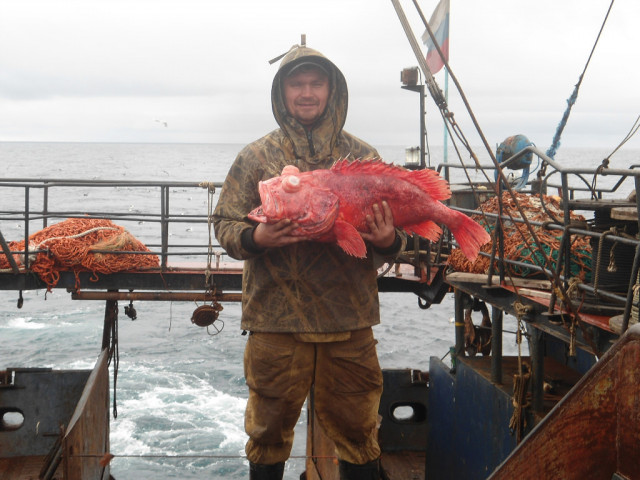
[(515, 246), (76, 244)]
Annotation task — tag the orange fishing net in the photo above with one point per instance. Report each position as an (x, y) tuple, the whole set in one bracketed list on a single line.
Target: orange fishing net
[(75, 244), (518, 243)]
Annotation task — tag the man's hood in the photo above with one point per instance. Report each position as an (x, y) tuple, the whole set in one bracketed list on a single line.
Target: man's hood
[(325, 132)]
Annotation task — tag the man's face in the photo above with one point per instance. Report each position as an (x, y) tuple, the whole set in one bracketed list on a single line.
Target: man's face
[(306, 94)]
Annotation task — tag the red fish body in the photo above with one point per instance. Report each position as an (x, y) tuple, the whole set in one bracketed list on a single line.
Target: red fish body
[(332, 205)]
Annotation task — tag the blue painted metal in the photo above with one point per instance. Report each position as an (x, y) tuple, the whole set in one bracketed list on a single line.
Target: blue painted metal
[(559, 350), (510, 147), (469, 423)]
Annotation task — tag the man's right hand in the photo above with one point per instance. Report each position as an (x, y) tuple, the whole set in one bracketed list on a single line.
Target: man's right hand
[(270, 235)]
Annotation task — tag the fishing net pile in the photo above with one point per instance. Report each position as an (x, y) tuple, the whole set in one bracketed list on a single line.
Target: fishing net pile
[(518, 242), (79, 245)]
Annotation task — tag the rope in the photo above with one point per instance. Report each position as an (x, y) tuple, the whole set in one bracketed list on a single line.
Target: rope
[(551, 152), (164, 455), (520, 379), (79, 235), (541, 250), (211, 189), (573, 287), (105, 458), (83, 244), (634, 129), (206, 315), (612, 267), (114, 353)]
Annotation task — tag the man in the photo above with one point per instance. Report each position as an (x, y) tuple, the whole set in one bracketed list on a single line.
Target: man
[(308, 306)]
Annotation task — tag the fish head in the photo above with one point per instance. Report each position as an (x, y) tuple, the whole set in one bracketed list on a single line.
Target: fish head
[(299, 197)]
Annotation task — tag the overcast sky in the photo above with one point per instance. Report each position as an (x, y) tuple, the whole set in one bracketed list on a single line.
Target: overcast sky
[(116, 70)]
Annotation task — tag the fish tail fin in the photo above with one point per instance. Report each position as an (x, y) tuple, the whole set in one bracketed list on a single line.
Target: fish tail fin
[(469, 235), (428, 229)]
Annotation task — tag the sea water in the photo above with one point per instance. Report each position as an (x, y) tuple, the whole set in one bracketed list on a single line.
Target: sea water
[(180, 392)]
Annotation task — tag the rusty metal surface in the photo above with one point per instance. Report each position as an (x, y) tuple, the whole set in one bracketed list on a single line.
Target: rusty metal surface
[(403, 465), (159, 296), (173, 279), (77, 400), (594, 431), (46, 399), (225, 280), (22, 468), (404, 411)]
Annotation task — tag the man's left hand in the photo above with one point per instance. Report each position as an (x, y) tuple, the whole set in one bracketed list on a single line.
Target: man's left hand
[(382, 232)]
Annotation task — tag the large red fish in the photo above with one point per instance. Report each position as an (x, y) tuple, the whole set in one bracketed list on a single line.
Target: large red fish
[(331, 205)]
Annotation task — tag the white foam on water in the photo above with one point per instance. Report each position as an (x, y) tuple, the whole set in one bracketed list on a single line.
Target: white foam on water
[(123, 441), (24, 323), (173, 413)]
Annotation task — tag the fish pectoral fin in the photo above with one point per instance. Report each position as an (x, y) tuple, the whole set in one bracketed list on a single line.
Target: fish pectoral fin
[(349, 239), (429, 230)]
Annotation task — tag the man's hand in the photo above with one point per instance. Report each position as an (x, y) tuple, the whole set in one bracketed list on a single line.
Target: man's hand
[(269, 235), (383, 233)]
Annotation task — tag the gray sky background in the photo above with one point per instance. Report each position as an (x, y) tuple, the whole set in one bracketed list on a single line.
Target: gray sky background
[(115, 70)]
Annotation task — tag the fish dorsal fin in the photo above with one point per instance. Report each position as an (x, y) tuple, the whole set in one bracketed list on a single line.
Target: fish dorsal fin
[(427, 180), (349, 239)]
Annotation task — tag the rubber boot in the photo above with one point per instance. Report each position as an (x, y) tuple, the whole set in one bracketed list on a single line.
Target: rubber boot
[(258, 471), (352, 471)]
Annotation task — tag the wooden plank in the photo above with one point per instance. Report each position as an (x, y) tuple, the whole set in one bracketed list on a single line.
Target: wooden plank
[(509, 281), (321, 463), (529, 292), (625, 213), (88, 430)]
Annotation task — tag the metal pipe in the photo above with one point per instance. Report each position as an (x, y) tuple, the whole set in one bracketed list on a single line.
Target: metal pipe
[(630, 292), (110, 317), (45, 205), (422, 128), (26, 228), (496, 345), (537, 369), (157, 296), (62, 182), (459, 321), (164, 226)]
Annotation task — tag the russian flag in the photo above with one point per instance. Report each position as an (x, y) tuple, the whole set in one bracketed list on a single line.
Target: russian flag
[(439, 25)]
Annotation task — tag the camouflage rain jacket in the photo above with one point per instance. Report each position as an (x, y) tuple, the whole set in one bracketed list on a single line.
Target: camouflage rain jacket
[(308, 287)]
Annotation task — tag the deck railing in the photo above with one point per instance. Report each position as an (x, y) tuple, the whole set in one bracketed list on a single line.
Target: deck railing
[(176, 213)]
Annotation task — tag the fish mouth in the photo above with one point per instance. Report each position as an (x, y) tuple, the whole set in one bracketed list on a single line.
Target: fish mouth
[(258, 215), (269, 210)]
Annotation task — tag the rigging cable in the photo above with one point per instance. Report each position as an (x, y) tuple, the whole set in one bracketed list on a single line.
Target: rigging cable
[(449, 122), (551, 152), (448, 116), (634, 129)]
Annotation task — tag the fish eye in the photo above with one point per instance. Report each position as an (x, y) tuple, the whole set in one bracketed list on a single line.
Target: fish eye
[(291, 183)]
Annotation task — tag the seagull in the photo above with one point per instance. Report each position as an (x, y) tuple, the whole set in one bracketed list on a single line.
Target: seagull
[(164, 123)]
